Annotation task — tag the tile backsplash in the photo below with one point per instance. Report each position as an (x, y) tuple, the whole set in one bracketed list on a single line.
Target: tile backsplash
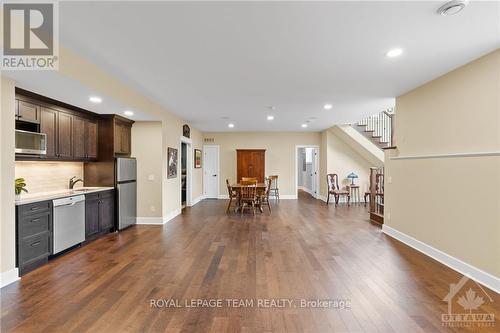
[(48, 176)]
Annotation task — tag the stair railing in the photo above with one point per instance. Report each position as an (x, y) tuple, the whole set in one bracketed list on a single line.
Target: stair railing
[(381, 125)]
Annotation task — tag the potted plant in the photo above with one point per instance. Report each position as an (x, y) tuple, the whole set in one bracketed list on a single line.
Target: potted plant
[(20, 186)]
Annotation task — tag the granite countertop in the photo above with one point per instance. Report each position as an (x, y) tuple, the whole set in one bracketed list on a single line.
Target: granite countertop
[(43, 196)]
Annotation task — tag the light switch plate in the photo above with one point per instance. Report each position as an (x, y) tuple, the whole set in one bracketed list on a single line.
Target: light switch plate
[(151, 177)]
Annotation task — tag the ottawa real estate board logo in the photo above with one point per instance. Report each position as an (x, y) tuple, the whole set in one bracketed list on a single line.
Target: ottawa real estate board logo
[(30, 35), (467, 305)]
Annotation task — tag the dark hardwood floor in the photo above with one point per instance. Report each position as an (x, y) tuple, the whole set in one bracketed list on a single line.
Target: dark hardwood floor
[(303, 250)]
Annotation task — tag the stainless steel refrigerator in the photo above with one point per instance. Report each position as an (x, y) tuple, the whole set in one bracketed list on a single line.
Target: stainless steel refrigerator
[(126, 191)]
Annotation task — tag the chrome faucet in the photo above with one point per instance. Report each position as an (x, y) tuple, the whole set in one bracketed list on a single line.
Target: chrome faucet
[(72, 182)]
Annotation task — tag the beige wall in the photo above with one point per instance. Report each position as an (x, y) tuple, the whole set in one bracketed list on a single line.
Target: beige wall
[(342, 159), (7, 213), (450, 203), (147, 149), (48, 176), (280, 154)]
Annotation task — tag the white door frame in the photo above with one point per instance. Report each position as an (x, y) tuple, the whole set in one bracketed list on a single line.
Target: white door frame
[(316, 164), (189, 170), (217, 147)]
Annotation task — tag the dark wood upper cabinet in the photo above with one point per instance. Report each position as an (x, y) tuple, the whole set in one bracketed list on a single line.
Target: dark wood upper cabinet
[(79, 142), (91, 139), (73, 134), (48, 125), (115, 134), (251, 163), (64, 135), (28, 112), (84, 138), (125, 132)]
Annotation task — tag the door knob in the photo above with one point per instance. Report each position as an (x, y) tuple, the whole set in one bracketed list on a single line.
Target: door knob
[(214, 175)]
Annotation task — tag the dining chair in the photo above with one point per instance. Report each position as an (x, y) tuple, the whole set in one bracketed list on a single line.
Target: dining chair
[(232, 195), (248, 194), (274, 190), (334, 189), (264, 197)]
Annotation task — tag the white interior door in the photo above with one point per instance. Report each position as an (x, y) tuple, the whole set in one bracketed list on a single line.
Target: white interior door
[(211, 172)]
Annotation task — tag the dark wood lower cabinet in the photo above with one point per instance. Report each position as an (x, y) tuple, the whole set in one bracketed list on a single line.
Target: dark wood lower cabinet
[(33, 235), (99, 213), (91, 215)]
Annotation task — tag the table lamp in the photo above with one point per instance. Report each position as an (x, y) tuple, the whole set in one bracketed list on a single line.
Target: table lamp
[(352, 176)]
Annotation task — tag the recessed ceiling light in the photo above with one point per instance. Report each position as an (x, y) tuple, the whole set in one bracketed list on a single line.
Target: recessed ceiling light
[(270, 117), (230, 125), (128, 113), (304, 125), (394, 53), (327, 106), (452, 7), (95, 99)]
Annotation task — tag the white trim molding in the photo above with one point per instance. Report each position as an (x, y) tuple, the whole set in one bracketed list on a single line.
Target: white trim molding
[(189, 169), (150, 220), (315, 180), (420, 157), (458, 265), (170, 216), (159, 220), (196, 200), (9, 277)]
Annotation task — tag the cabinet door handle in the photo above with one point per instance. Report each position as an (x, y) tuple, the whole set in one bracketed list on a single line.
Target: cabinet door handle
[(34, 220), (35, 243), (35, 208)]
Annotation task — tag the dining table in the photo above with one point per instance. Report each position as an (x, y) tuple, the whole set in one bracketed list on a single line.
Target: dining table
[(261, 188)]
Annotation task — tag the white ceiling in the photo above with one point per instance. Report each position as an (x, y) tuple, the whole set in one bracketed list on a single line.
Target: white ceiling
[(213, 63)]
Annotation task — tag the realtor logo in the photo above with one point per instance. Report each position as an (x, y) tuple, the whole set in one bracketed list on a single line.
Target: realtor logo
[(30, 36), (469, 296)]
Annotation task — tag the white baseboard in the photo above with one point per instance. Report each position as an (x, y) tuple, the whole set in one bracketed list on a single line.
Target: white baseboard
[(196, 200), (286, 197), (470, 271), (224, 196), (158, 220), (170, 216), (149, 220), (321, 197), (9, 277)]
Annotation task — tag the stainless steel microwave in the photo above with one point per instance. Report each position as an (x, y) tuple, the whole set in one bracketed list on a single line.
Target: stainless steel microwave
[(32, 143)]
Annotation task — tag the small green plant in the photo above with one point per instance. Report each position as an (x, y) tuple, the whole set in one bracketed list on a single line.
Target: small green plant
[(20, 185)]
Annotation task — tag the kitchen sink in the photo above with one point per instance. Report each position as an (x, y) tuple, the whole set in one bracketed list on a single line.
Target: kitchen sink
[(85, 189)]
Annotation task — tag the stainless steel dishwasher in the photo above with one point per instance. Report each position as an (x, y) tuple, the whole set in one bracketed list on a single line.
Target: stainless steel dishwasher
[(69, 222)]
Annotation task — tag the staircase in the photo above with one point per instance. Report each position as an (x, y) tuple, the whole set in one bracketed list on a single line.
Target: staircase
[(378, 128)]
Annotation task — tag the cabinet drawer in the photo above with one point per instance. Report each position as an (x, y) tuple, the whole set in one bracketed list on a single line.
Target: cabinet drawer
[(106, 194), (34, 224), (92, 196), (35, 247), (36, 207)]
